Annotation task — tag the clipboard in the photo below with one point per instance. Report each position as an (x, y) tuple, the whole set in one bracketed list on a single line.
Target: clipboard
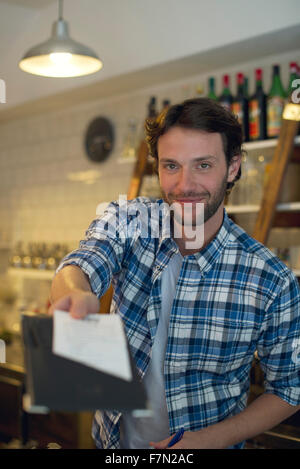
[(59, 384)]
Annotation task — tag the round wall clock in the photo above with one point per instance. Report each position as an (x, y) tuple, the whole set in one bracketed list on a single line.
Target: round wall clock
[(99, 139)]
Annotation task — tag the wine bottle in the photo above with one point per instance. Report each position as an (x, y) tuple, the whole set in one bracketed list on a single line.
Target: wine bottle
[(152, 112), (199, 90), (275, 104), (293, 77), (246, 86), (240, 106), (211, 89), (257, 110), (226, 97)]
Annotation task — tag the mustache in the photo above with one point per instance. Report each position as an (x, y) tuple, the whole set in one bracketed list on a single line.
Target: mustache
[(188, 195)]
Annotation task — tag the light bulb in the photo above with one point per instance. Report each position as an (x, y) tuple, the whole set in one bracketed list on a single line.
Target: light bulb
[(60, 58)]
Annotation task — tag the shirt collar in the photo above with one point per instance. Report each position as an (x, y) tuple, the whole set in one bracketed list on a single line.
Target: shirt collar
[(207, 257)]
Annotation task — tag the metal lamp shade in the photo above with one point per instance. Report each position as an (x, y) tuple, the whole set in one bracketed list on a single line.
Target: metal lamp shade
[(60, 56)]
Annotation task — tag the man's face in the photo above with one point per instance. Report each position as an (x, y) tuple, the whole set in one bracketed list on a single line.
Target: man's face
[(193, 170)]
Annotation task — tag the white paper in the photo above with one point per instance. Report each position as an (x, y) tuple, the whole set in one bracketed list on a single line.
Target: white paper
[(97, 341)]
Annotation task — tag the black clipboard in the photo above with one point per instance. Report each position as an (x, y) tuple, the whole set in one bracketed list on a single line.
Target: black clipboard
[(59, 384)]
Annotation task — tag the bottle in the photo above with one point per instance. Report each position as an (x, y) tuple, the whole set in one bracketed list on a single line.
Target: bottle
[(130, 142), (165, 105), (246, 87), (211, 89), (152, 113), (226, 97), (199, 90), (275, 104), (240, 106), (293, 77), (257, 110)]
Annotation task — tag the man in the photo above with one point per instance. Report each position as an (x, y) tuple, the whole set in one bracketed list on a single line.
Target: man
[(194, 312)]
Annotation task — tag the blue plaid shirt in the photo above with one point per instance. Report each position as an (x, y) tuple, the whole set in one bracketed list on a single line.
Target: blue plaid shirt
[(233, 298)]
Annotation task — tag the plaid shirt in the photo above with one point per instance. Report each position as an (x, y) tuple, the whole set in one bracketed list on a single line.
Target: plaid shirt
[(233, 298)]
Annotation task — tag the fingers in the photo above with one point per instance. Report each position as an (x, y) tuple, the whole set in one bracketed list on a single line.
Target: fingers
[(78, 304), (160, 444)]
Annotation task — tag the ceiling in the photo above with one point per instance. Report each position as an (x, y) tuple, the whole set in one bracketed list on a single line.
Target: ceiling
[(138, 39), (37, 4)]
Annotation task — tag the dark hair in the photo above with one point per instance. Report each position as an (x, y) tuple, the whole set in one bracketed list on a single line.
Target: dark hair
[(199, 114)]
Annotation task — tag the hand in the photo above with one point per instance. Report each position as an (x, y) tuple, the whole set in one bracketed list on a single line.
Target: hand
[(78, 303)]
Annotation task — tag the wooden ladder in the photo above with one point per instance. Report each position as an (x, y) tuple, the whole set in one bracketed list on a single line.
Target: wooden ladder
[(282, 156), (285, 152)]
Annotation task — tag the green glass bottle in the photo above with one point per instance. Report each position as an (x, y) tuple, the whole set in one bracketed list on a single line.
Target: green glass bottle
[(211, 89), (275, 103), (226, 97)]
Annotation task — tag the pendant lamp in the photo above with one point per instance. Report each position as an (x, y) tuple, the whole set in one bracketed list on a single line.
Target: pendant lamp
[(60, 56)]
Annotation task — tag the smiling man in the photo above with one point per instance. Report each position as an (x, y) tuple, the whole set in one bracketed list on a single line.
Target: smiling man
[(194, 316)]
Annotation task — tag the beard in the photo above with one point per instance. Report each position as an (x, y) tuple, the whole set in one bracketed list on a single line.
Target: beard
[(194, 215)]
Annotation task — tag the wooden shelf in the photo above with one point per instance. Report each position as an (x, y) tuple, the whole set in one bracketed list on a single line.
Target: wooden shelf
[(31, 273), (271, 143), (282, 207), (242, 208)]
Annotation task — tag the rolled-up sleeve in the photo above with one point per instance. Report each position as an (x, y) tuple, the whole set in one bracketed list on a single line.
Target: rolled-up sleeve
[(100, 254), (279, 344)]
